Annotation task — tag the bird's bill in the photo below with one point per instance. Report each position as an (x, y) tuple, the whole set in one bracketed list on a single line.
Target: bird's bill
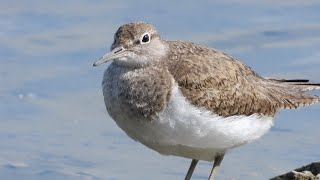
[(114, 54)]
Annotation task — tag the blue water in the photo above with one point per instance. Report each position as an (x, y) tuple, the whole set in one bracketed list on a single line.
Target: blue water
[(53, 123)]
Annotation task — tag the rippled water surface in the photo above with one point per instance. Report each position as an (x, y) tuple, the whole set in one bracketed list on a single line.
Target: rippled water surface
[(53, 123)]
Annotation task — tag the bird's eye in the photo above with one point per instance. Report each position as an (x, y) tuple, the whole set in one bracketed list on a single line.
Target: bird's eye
[(145, 39)]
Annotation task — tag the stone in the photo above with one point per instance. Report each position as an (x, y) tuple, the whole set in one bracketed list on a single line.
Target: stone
[(308, 172)]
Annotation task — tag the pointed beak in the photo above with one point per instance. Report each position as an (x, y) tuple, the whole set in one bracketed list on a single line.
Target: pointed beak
[(114, 54)]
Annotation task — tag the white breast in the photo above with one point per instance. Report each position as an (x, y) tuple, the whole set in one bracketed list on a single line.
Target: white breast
[(183, 129)]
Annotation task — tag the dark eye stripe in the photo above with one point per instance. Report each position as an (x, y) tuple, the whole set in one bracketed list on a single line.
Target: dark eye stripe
[(136, 42)]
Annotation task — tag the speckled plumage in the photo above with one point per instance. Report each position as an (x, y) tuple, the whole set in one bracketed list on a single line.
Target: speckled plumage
[(212, 79), (224, 85), (131, 86), (180, 98)]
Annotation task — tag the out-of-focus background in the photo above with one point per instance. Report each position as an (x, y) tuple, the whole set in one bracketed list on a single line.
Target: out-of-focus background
[(53, 123)]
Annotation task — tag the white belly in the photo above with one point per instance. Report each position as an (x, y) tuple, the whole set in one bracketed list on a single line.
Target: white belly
[(183, 129)]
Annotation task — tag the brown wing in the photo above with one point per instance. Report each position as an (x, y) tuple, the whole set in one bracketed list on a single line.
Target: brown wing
[(216, 81)]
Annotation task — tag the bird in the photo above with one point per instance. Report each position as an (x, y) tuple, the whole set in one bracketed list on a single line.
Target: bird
[(185, 99)]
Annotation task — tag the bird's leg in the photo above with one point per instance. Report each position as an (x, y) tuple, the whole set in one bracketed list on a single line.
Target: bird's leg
[(191, 169), (217, 162)]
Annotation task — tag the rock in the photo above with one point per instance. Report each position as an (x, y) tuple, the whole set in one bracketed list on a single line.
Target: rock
[(308, 172)]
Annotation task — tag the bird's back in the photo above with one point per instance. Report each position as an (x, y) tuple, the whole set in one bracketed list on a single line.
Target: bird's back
[(224, 85)]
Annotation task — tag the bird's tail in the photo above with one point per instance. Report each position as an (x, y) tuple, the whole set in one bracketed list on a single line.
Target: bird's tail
[(299, 84), (290, 94)]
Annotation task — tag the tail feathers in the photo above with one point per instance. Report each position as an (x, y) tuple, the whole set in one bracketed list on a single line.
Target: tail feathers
[(290, 80), (290, 94), (299, 100), (298, 84)]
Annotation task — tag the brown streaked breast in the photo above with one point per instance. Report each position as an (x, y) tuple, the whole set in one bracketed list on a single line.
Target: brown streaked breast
[(145, 91)]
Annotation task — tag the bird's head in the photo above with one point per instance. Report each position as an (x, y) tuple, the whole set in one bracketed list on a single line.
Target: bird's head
[(135, 45)]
